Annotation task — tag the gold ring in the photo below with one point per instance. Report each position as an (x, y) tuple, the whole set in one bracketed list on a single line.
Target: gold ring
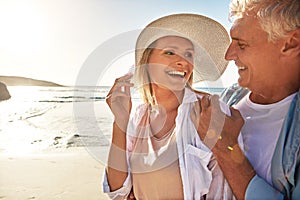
[(230, 148)]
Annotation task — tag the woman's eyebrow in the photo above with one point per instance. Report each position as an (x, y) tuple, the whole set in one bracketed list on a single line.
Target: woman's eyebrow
[(190, 49), (176, 47)]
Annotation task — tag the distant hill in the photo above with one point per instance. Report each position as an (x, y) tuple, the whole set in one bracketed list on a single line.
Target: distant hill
[(22, 81)]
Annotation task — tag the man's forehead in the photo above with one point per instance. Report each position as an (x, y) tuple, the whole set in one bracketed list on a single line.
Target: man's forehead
[(244, 25)]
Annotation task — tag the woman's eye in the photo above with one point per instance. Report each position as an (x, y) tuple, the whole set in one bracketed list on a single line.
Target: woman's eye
[(169, 53), (188, 55)]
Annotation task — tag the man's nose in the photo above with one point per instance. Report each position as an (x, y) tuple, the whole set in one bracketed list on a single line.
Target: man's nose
[(231, 53)]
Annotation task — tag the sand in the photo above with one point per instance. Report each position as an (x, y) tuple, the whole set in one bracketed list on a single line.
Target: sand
[(66, 174), (32, 166)]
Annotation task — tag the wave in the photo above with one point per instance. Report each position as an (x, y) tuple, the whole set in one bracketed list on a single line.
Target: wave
[(71, 94), (45, 115)]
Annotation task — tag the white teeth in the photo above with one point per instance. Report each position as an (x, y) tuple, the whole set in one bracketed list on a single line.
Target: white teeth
[(241, 67), (176, 73)]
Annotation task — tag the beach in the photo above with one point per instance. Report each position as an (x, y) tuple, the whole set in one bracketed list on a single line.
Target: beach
[(68, 174), (54, 143)]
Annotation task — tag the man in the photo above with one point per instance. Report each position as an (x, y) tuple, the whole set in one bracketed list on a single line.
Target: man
[(266, 49)]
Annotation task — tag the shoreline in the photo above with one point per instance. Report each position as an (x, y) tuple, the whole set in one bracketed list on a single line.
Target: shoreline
[(68, 174)]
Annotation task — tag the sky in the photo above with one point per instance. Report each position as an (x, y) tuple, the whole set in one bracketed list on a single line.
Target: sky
[(54, 40)]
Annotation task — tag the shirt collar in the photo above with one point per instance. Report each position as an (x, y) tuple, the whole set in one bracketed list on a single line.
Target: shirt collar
[(190, 96)]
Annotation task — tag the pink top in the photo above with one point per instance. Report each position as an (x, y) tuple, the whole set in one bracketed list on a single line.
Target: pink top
[(164, 171)]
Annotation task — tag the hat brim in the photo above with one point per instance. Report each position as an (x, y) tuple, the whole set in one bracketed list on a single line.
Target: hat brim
[(210, 40)]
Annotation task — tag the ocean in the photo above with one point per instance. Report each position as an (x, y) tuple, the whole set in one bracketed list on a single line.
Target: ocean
[(43, 118)]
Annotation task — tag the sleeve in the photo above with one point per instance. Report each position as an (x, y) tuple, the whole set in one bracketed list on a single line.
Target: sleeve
[(296, 190), (121, 193), (260, 189)]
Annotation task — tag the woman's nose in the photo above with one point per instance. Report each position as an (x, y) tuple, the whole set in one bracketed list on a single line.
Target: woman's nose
[(181, 61)]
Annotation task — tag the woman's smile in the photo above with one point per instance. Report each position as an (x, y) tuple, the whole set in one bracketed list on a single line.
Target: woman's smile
[(177, 74)]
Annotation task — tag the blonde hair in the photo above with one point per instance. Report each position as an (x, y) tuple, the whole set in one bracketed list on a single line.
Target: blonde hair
[(142, 77), (276, 17)]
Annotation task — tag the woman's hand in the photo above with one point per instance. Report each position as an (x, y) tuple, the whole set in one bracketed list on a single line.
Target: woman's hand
[(119, 100)]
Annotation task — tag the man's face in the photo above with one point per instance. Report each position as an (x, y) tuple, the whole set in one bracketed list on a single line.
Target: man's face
[(257, 59)]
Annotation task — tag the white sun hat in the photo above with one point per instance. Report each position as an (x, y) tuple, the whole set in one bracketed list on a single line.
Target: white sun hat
[(210, 40)]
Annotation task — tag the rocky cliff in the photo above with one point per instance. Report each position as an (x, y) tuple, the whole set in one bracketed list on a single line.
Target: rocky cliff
[(4, 94)]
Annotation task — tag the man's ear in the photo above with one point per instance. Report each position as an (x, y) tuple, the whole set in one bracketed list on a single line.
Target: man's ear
[(292, 44)]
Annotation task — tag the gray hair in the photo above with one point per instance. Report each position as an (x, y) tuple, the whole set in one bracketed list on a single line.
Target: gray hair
[(276, 17)]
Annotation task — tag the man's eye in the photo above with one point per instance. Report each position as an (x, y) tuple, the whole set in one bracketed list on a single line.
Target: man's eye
[(242, 46)]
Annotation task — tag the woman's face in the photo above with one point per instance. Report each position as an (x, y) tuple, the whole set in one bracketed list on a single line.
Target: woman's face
[(171, 62)]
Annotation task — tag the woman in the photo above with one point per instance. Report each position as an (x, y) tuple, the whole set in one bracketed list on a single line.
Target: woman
[(156, 150)]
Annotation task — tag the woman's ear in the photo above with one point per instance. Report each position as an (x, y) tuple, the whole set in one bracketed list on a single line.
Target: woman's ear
[(292, 44)]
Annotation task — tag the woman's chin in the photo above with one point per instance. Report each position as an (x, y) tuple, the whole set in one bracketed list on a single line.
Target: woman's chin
[(177, 87)]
